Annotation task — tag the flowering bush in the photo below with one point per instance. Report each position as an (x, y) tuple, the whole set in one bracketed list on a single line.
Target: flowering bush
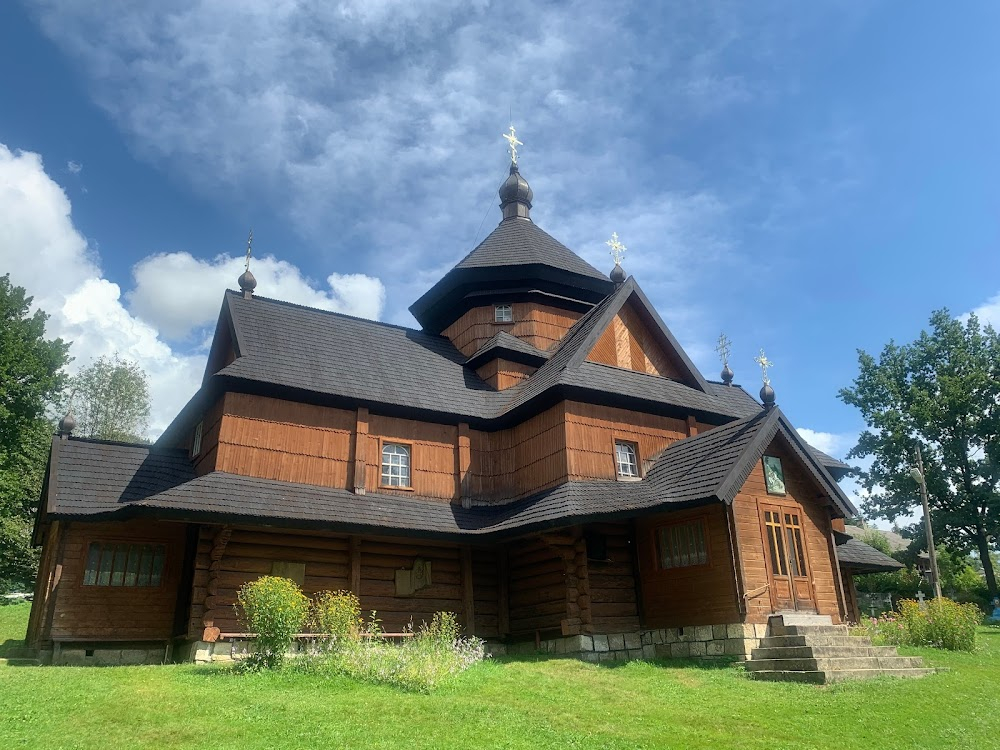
[(336, 617), (275, 609), (940, 623)]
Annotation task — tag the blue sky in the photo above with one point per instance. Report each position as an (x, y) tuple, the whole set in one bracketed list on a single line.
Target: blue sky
[(809, 178)]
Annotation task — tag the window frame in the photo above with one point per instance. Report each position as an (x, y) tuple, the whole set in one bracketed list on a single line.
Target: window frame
[(129, 542), (497, 312), (196, 438), (702, 521), (382, 444), (634, 444)]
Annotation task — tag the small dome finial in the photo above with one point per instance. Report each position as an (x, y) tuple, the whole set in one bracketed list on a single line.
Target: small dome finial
[(724, 347), (617, 253), (67, 424), (515, 196), (766, 391), (246, 280)]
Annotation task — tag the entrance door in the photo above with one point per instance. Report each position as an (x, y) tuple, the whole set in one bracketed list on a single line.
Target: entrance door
[(788, 567)]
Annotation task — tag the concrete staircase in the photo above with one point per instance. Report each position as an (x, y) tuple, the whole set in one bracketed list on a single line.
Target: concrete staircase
[(810, 648)]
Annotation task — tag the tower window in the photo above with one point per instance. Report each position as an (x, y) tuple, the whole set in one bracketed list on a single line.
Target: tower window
[(395, 465), (626, 459), (503, 314)]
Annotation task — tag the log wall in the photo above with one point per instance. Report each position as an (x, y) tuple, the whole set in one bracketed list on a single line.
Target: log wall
[(613, 598), (816, 525), (117, 613), (542, 326), (366, 565), (537, 587), (695, 595)]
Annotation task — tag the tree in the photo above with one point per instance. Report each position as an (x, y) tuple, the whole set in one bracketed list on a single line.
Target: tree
[(110, 399), (940, 394), (31, 378)]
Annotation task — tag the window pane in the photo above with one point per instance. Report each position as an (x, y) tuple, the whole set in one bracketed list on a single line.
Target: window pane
[(157, 572), (799, 552), (503, 314), (107, 560), (793, 563), (132, 567), (145, 563), (93, 563)]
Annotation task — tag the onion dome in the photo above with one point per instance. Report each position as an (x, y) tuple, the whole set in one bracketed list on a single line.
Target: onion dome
[(247, 283), (515, 195), (727, 374), (618, 275), (67, 424), (767, 396)]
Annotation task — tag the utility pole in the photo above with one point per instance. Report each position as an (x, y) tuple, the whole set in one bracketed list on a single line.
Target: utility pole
[(918, 474)]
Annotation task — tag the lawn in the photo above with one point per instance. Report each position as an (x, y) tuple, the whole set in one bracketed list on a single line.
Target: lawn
[(499, 704)]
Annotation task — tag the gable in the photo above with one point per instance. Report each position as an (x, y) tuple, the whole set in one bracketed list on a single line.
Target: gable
[(629, 342)]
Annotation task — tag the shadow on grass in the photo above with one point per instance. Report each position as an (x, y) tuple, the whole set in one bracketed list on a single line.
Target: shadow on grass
[(11, 649)]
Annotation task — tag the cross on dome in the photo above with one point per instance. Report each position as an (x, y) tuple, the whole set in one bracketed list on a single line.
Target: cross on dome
[(249, 247), (762, 360), (617, 248), (512, 144), (724, 348)]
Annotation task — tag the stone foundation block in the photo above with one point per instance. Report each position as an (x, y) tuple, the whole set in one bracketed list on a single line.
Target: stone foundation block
[(633, 641), (698, 648), (616, 642), (736, 646), (686, 635), (634, 654), (680, 650), (718, 632), (703, 633), (740, 630), (600, 643), (649, 651), (715, 648), (670, 635)]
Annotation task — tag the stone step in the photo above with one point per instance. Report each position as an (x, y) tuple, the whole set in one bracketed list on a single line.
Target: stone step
[(807, 630), (808, 652), (799, 618), (833, 664), (777, 641), (11, 661), (827, 677)]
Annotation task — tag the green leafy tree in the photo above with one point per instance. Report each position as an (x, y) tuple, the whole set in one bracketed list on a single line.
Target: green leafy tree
[(110, 399), (941, 393), (30, 381)]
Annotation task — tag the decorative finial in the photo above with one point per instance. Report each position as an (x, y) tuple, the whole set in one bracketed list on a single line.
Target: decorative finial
[(724, 348), (512, 144), (766, 392), (617, 253), (247, 281), (67, 424)]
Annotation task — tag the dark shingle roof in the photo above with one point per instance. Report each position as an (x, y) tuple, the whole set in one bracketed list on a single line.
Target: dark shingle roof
[(504, 344), (861, 558), (521, 242)]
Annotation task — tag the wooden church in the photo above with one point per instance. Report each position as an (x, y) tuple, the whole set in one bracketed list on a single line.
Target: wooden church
[(540, 457)]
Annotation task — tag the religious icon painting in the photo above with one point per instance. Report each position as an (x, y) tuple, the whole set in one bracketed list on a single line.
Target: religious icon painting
[(774, 477)]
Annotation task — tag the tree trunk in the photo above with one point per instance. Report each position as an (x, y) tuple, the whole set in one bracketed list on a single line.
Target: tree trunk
[(984, 556)]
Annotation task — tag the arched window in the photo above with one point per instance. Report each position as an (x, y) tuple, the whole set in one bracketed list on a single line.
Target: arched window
[(626, 459), (503, 314), (395, 465)]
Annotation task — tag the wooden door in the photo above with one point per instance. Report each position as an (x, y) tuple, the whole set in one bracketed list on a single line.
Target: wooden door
[(787, 562)]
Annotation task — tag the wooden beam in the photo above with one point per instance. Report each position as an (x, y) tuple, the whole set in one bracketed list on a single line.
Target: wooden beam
[(841, 594), (360, 450), (354, 547), (211, 633), (503, 592), (468, 593), (734, 552), (464, 463), (692, 426)]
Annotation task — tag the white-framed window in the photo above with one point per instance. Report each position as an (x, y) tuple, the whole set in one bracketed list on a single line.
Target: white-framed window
[(503, 314), (196, 439), (627, 459), (395, 465)]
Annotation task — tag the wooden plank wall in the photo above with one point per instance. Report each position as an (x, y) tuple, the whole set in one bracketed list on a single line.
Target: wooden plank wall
[(520, 460), (542, 326), (696, 595), (591, 432), (119, 612), (433, 455), (206, 460), (251, 553), (613, 601), (629, 342), (275, 439), (537, 587), (816, 525), (503, 374)]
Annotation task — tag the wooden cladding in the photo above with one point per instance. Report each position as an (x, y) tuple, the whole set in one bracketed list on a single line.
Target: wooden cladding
[(502, 373), (70, 610), (629, 342), (702, 594), (800, 491), (542, 326), (465, 579)]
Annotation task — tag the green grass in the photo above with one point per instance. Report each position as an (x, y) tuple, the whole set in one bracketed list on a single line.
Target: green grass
[(500, 704)]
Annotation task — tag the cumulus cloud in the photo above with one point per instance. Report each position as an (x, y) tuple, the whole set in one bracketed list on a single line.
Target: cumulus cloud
[(158, 279), (832, 443), (989, 311), (46, 254)]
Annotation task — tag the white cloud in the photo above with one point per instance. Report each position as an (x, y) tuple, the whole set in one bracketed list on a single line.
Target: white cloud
[(832, 443), (74, 167), (47, 255), (988, 312), (178, 293)]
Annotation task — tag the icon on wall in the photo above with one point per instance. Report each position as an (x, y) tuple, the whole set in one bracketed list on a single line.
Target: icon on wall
[(774, 477)]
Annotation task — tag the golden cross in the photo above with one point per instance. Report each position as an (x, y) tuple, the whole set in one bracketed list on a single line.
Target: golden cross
[(513, 143), (617, 248), (762, 360), (249, 246), (724, 348)]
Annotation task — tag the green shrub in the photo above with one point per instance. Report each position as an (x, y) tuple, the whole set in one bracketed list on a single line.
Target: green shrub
[(336, 617), (939, 623), (444, 630), (275, 609)]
